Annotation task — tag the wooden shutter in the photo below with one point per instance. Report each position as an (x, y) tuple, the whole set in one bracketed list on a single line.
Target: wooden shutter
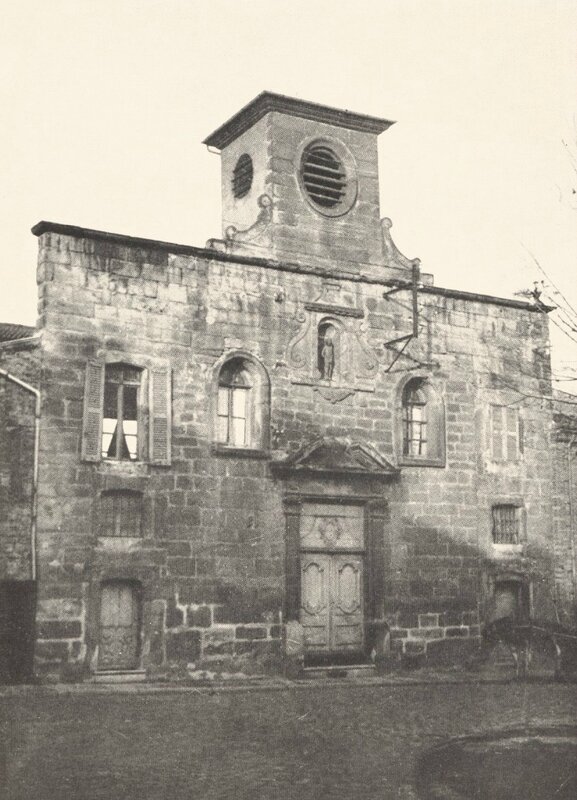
[(92, 420), (160, 420)]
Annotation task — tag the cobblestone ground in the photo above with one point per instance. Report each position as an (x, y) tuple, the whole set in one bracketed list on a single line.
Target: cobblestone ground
[(311, 743)]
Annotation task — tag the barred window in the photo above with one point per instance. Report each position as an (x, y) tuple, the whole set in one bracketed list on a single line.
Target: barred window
[(506, 524), (121, 513)]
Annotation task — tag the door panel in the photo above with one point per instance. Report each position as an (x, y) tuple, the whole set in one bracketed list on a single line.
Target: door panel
[(347, 611), (315, 617), (119, 626), (331, 603)]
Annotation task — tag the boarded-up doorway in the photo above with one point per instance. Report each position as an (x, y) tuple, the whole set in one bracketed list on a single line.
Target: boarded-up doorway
[(120, 620)]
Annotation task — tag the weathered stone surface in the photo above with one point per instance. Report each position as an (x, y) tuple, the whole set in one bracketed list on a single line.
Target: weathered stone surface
[(213, 521), (183, 646)]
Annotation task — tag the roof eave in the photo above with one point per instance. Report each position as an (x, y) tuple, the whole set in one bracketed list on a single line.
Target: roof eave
[(266, 102)]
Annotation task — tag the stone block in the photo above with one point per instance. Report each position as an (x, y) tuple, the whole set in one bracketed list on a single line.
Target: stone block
[(257, 648), (51, 651), (59, 629), (428, 620), (183, 646), (408, 619), (174, 615), (245, 632), (453, 633), (451, 651), (426, 633), (199, 617)]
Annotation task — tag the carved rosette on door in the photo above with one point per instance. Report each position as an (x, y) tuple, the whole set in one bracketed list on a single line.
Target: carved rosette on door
[(330, 350)]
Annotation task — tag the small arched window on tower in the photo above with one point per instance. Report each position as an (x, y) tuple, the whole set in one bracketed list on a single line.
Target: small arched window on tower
[(327, 350), (422, 425), (242, 407)]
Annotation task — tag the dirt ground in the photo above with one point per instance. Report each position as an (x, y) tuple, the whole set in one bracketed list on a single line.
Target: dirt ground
[(315, 742)]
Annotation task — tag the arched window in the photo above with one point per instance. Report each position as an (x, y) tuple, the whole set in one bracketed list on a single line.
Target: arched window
[(422, 425), (242, 406), (414, 420)]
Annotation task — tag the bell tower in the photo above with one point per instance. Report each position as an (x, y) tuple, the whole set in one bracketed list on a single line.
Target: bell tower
[(300, 184)]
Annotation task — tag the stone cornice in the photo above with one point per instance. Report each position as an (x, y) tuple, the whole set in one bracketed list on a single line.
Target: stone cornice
[(266, 102)]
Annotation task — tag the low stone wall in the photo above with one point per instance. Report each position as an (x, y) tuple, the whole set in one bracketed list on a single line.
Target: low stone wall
[(448, 637)]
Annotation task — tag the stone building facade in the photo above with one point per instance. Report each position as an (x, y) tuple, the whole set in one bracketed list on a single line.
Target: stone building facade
[(288, 448)]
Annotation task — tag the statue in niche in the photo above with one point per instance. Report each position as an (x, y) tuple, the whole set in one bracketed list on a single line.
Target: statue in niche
[(326, 349)]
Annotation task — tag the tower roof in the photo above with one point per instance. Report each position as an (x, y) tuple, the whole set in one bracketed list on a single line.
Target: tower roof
[(269, 101)]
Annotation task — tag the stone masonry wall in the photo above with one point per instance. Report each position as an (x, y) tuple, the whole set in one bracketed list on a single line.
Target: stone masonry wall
[(16, 459), (211, 557)]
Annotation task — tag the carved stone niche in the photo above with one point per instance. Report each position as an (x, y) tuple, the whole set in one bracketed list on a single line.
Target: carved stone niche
[(330, 351)]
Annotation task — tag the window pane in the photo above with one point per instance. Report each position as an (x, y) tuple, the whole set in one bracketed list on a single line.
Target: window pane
[(131, 438), (110, 399), (222, 429), (239, 402), (238, 432), (109, 437), (129, 408)]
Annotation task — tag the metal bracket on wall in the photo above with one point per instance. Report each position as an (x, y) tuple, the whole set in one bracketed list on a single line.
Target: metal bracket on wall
[(413, 285)]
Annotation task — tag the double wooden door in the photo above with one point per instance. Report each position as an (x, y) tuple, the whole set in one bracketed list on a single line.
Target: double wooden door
[(332, 606), (332, 581), (119, 626)]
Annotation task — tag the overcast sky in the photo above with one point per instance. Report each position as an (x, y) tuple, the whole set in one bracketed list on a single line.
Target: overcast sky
[(105, 104)]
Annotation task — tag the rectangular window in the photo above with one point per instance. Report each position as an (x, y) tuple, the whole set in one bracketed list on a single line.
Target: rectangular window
[(506, 433), (120, 417), (506, 524), (121, 514)]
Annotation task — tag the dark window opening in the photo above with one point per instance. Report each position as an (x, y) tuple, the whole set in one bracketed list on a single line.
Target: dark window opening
[(120, 421), (506, 524), (414, 420), (323, 176), (242, 176), (121, 513)]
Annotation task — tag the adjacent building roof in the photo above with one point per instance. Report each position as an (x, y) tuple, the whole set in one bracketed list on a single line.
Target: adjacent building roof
[(268, 101), (10, 331)]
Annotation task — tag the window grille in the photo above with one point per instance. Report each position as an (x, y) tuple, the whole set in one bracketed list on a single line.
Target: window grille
[(121, 513), (506, 524)]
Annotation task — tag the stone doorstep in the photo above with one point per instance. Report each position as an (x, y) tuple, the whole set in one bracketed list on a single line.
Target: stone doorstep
[(119, 676), (346, 671)]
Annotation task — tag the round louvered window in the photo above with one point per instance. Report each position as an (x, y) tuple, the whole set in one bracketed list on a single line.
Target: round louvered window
[(242, 176), (327, 177)]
